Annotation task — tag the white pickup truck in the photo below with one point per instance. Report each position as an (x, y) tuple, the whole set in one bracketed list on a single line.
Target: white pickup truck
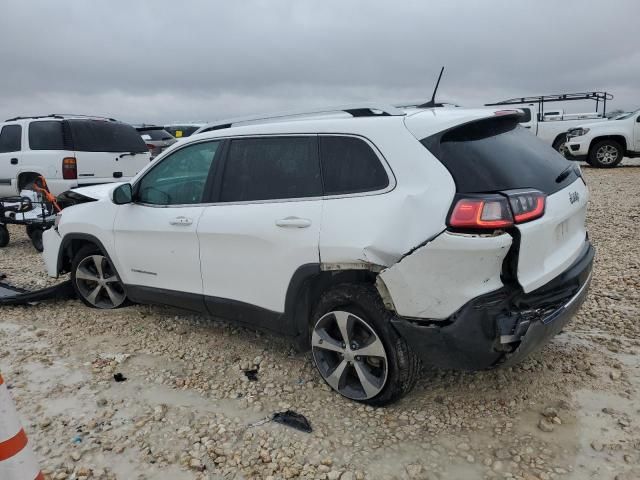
[(552, 125), (604, 144)]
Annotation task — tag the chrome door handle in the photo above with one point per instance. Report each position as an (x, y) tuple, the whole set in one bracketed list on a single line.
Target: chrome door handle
[(181, 221), (293, 222)]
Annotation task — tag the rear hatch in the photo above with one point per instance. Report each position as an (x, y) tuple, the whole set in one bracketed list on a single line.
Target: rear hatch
[(106, 150), (496, 156)]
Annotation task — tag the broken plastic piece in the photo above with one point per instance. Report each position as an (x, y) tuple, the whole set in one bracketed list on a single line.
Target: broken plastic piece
[(118, 377), (10, 295), (293, 420), (252, 374)]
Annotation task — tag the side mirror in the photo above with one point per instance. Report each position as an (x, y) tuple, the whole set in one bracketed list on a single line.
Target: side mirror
[(122, 194)]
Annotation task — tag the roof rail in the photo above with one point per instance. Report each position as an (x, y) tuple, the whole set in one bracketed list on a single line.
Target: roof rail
[(356, 110), (31, 117), (58, 115)]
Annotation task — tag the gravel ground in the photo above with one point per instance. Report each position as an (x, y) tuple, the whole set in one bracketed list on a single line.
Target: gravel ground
[(186, 410)]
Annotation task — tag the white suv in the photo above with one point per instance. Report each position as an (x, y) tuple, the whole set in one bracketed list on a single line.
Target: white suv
[(375, 236), (69, 151)]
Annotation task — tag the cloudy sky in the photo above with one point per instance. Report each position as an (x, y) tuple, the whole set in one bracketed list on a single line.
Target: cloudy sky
[(162, 61)]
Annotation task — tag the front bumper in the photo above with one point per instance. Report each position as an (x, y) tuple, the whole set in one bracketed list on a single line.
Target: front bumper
[(51, 241), (501, 327), (576, 149)]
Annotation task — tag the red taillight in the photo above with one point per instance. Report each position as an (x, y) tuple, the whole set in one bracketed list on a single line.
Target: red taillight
[(69, 168), (489, 212), (485, 213), (527, 206), (150, 147)]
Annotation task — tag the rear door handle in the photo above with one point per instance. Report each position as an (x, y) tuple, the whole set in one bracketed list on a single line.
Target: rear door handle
[(14, 161), (293, 222), (181, 221)]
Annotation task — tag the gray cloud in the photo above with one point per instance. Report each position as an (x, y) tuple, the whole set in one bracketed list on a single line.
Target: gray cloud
[(160, 60)]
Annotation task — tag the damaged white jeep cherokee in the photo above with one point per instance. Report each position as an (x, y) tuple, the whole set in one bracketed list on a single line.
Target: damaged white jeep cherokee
[(377, 237)]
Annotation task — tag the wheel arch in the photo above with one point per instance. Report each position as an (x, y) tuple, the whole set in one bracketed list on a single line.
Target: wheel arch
[(307, 285), (559, 137), (25, 177), (71, 244), (621, 139)]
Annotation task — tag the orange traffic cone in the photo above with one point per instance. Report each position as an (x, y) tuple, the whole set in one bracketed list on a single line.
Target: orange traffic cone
[(17, 461)]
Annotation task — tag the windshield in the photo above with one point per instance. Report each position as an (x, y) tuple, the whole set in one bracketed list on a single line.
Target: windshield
[(624, 116)]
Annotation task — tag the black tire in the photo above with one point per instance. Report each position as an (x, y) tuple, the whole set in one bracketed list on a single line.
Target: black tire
[(605, 154), (35, 234), (559, 144), (82, 287), (4, 236), (363, 301)]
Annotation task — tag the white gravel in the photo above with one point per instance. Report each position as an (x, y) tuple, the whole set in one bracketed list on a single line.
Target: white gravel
[(572, 411)]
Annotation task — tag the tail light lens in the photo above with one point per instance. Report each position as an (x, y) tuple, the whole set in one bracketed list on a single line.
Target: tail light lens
[(69, 168), (150, 147), (491, 212), (527, 206)]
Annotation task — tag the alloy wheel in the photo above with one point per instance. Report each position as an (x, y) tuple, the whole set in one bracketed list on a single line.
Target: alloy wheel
[(349, 355), (98, 283), (607, 154)]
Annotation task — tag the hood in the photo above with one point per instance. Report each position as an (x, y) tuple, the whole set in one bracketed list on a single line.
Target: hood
[(97, 192)]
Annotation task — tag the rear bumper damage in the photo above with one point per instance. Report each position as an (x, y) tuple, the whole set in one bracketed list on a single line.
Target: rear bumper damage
[(501, 327)]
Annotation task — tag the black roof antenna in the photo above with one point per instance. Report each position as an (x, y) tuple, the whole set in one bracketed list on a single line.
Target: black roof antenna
[(432, 103)]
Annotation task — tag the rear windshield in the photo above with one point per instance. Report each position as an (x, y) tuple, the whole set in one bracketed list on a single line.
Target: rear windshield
[(180, 131), (497, 154), (105, 136), (156, 134)]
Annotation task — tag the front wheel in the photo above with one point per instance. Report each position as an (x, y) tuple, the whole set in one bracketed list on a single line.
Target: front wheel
[(35, 234), (560, 145), (96, 281), (357, 351), (605, 154)]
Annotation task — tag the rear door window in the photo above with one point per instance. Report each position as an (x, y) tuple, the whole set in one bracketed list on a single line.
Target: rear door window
[(496, 154), (46, 135), (271, 168), (349, 165), (10, 138), (105, 136)]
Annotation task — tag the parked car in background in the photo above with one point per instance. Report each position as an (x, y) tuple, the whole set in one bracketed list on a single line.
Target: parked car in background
[(552, 125), (69, 151), (182, 130), (156, 138), (604, 144), (375, 236)]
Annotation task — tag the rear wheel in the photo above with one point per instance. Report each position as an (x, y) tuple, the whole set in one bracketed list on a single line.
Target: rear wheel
[(35, 234), (605, 154), (4, 236), (96, 281), (355, 349)]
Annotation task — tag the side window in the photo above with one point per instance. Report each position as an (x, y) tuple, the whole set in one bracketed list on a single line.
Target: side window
[(180, 178), (46, 135), (271, 168), (349, 165), (10, 138)]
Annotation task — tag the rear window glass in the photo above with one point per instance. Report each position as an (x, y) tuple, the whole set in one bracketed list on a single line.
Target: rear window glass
[(10, 138), (181, 132), (350, 165), (271, 168), (156, 134), (105, 136), (46, 135), (497, 154)]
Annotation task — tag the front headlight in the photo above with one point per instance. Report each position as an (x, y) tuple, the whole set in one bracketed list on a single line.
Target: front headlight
[(577, 132)]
